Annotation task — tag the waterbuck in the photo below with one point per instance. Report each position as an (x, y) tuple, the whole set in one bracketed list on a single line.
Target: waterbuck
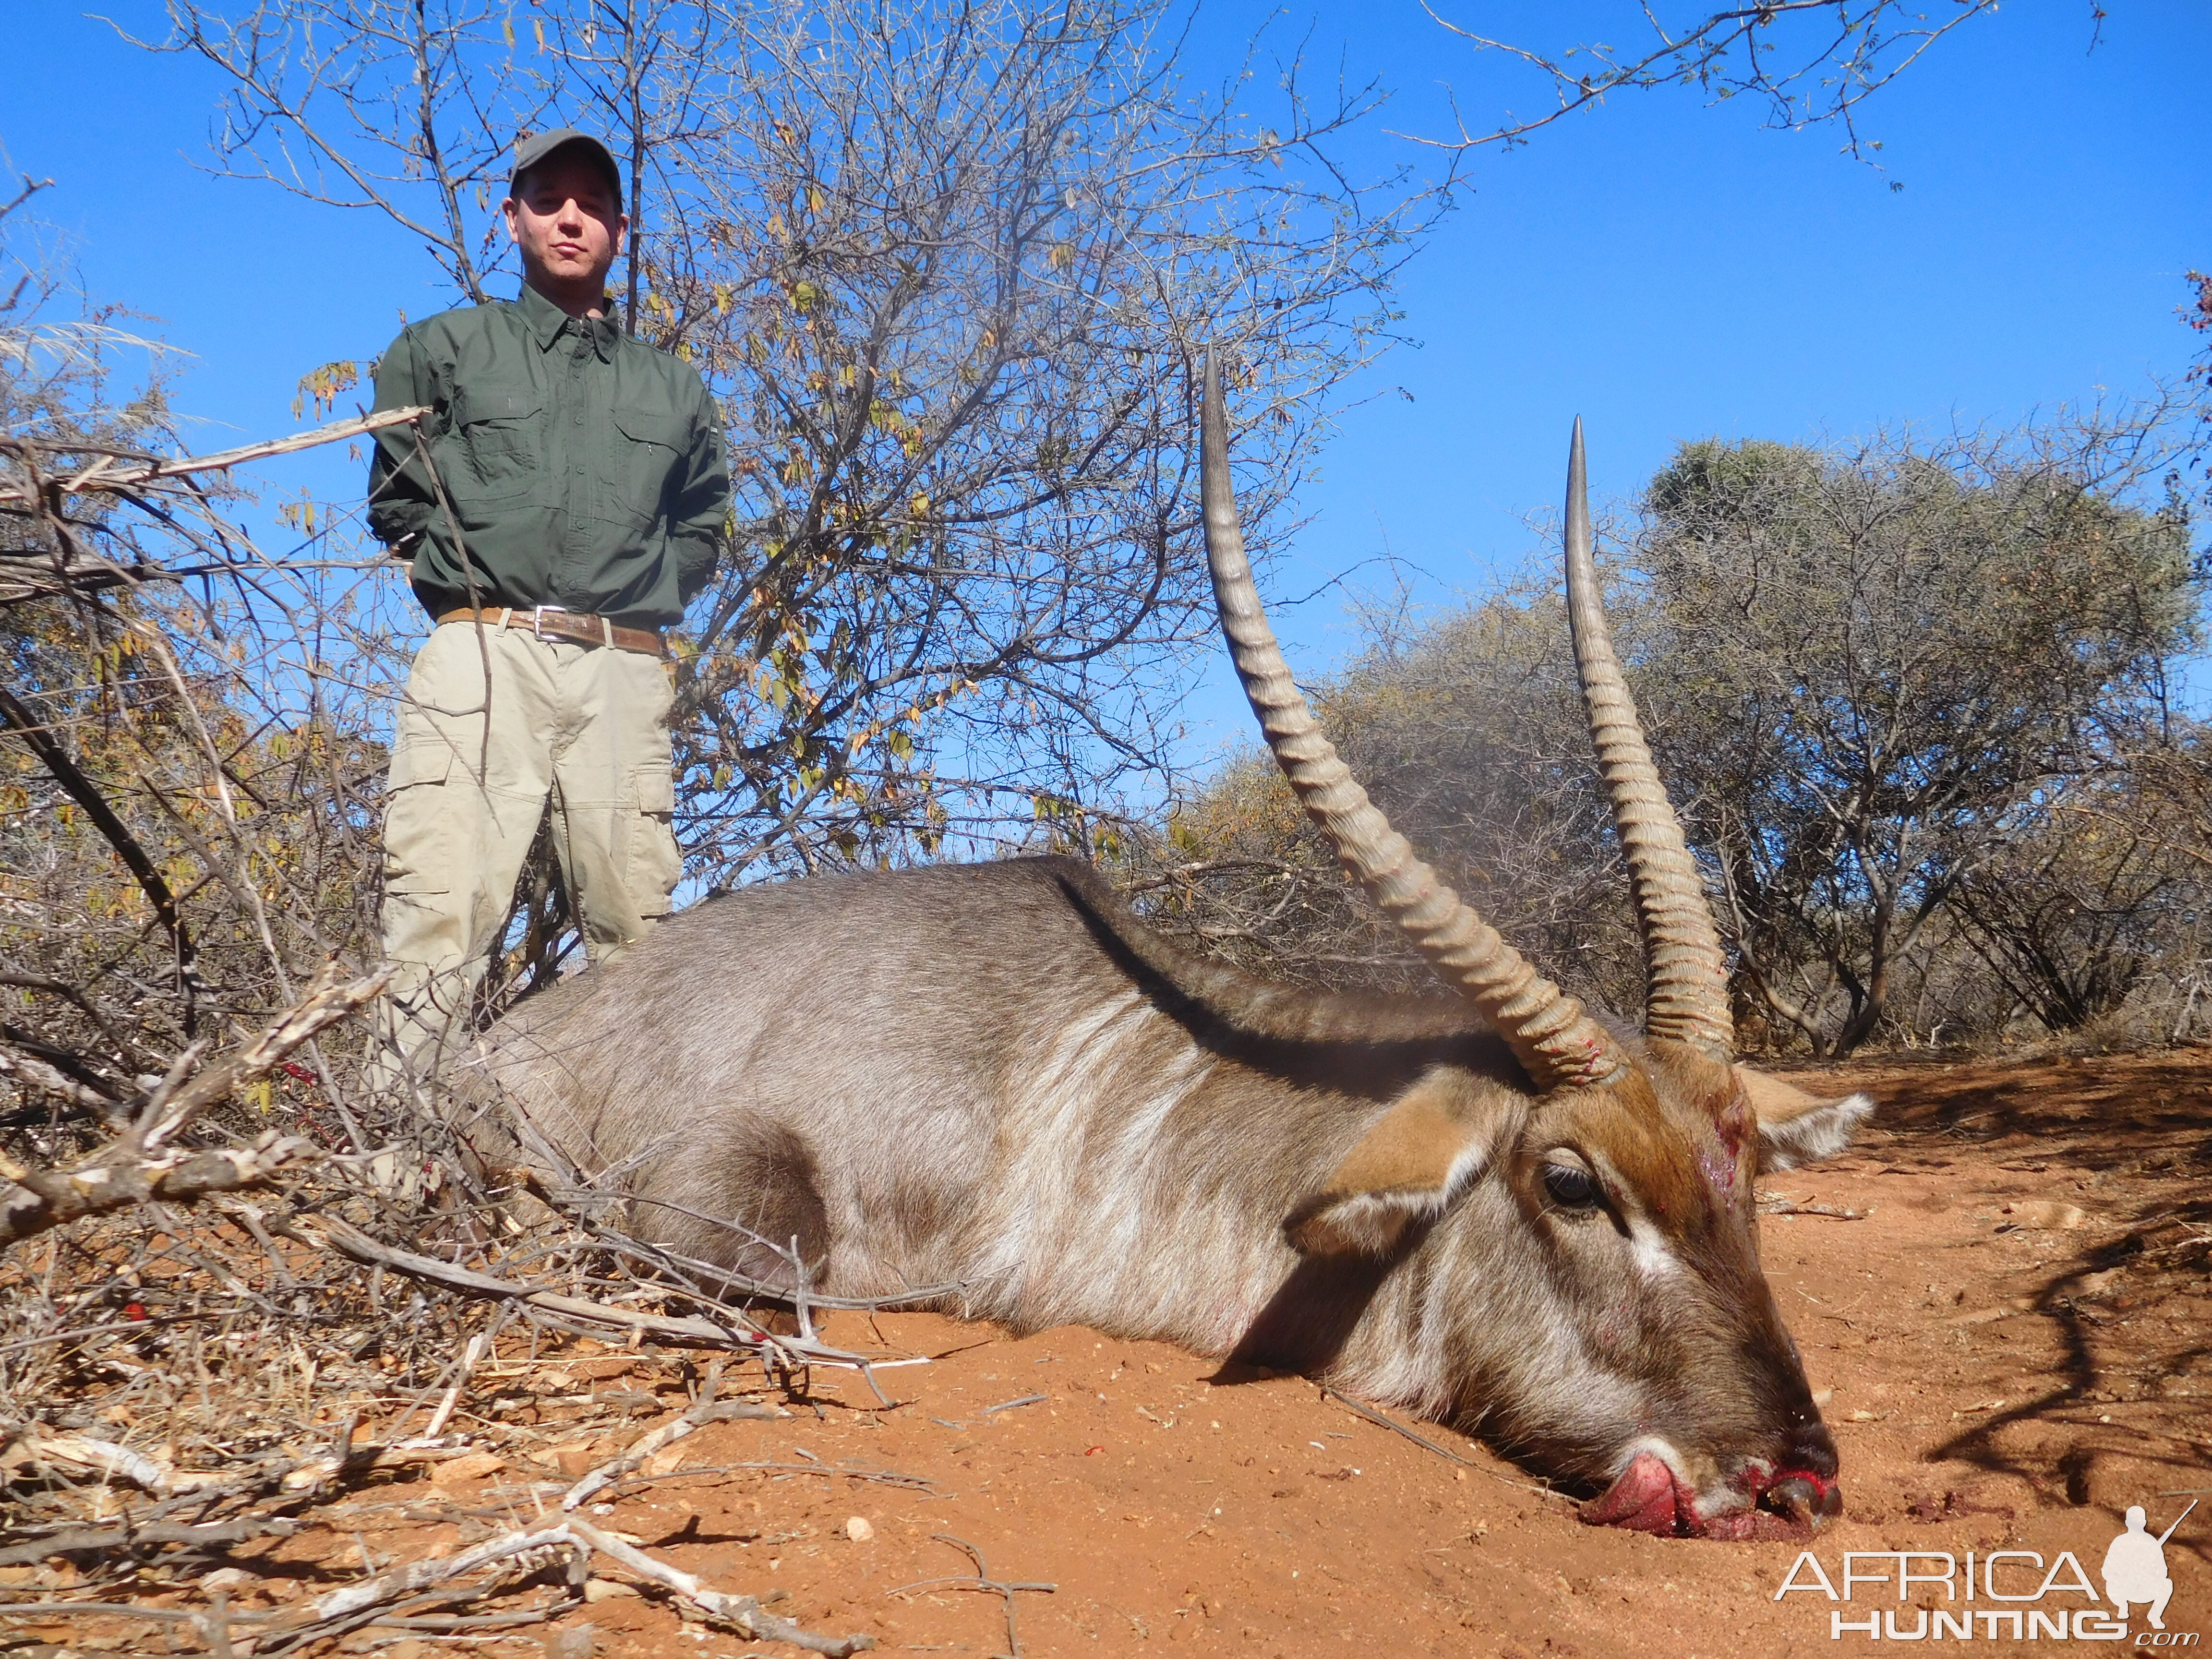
[(1489, 1207)]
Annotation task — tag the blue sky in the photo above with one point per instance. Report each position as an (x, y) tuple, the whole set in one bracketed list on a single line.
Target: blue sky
[(1666, 270)]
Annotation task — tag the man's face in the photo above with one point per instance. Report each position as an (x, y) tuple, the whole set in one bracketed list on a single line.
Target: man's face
[(567, 224)]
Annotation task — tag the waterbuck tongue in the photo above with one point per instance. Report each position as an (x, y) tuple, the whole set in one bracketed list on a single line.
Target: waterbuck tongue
[(1642, 1499)]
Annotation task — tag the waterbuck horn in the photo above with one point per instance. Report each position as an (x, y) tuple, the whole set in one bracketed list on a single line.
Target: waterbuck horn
[(1686, 979), (1559, 1044)]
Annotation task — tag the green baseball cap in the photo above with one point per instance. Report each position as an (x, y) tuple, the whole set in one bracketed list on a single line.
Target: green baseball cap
[(530, 151)]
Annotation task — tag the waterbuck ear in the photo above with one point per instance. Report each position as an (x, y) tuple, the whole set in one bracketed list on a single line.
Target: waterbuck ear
[(1795, 1128), (1405, 1169)]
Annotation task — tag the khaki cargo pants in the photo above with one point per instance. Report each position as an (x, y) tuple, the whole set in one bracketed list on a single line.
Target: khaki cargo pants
[(495, 721)]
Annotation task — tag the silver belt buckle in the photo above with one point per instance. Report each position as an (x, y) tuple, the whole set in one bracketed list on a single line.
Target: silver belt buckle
[(537, 617)]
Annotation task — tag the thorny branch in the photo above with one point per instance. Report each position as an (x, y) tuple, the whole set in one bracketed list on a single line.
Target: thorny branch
[(982, 1581), (140, 1166)]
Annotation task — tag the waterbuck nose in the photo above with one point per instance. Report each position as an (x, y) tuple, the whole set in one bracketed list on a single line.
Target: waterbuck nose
[(1804, 1499), (1809, 1450), (1805, 1488)]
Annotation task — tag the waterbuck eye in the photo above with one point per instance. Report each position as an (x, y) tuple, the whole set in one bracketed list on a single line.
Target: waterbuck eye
[(1571, 1189)]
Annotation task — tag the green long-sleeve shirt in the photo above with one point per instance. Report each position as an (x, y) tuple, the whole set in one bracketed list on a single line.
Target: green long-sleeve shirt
[(584, 467)]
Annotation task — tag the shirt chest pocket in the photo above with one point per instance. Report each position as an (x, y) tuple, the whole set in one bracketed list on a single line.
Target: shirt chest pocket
[(502, 433), (645, 451)]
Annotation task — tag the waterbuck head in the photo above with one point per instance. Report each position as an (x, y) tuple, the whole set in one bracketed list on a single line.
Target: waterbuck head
[(1605, 1308)]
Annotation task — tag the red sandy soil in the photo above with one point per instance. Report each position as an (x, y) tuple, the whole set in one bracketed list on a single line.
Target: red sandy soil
[(1992, 1383)]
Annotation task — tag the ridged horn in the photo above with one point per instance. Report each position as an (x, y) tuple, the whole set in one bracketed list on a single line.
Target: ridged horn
[(1686, 978), (1556, 1043)]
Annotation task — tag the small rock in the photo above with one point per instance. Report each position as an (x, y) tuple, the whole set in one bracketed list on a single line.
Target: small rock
[(226, 1578), (577, 1641), (858, 1530), (2047, 1212), (472, 1467), (608, 1589), (667, 1460), (574, 1459)]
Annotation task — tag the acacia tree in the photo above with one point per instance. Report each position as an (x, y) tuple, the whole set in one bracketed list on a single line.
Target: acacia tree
[(2084, 904), (945, 265), (1872, 662), (1887, 684)]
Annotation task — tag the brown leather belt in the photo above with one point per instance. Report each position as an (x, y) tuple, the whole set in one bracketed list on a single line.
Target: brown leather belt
[(550, 620)]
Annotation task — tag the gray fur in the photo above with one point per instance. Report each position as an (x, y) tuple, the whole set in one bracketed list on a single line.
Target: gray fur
[(994, 1076)]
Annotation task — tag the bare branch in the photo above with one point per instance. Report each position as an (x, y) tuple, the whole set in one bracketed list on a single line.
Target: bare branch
[(117, 470), (1811, 62)]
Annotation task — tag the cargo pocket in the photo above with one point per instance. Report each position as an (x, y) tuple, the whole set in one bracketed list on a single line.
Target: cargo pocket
[(498, 428), (655, 863), (421, 848), (643, 463)]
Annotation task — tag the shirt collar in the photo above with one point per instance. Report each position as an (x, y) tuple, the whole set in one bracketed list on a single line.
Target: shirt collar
[(547, 322)]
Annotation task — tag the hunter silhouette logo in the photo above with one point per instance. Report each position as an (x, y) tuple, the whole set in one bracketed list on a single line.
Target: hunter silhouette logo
[(2135, 1567), (2007, 1593)]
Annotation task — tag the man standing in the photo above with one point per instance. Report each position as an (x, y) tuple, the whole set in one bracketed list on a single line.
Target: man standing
[(561, 502)]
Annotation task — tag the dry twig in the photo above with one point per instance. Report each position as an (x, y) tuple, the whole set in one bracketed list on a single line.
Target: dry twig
[(743, 1612), (981, 1581), (1395, 1427), (328, 1233), (139, 1167), (117, 470), (706, 1411)]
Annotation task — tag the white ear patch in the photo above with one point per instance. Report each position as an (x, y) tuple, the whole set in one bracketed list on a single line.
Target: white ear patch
[(1808, 1136), (1373, 1222), (1406, 1169), (1365, 1223)]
